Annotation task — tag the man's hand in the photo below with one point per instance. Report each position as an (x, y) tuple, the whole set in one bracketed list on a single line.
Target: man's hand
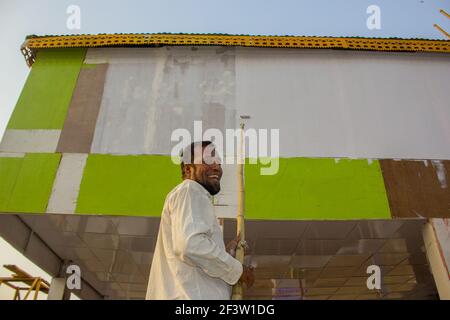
[(231, 246), (247, 276)]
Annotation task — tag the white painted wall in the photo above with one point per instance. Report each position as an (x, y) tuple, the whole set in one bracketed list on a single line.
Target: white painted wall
[(326, 103), (346, 103)]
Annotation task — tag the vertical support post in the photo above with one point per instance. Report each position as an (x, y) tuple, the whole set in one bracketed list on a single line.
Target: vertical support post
[(436, 251), (58, 289)]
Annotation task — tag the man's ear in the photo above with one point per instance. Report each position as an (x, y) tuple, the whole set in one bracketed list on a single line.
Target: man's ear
[(187, 171)]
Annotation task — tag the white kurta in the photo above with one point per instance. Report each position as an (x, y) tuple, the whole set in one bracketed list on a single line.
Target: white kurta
[(190, 260)]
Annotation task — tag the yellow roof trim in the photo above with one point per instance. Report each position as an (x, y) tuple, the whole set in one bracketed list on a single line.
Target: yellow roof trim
[(119, 40)]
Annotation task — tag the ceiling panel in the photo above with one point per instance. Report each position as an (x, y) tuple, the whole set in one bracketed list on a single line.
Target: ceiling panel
[(330, 282), (368, 296), (271, 273), (267, 261), (375, 229), (137, 226), (53, 222), (74, 253), (388, 259), (320, 291), (394, 246), (397, 279), (138, 244), (353, 290), (337, 272), (96, 224), (275, 246), (292, 259), (319, 247), (347, 260), (102, 241), (410, 230), (61, 238), (286, 283), (331, 230), (93, 265), (344, 297), (317, 261), (317, 297), (355, 281), (361, 246)]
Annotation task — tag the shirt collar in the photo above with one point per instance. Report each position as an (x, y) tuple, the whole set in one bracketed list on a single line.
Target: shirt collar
[(201, 188)]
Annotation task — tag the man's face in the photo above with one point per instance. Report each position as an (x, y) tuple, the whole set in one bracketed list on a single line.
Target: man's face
[(209, 172)]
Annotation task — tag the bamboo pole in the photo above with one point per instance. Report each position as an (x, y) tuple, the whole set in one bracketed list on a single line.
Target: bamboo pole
[(31, 288), (37, 289), (240, 250), (445, 33)]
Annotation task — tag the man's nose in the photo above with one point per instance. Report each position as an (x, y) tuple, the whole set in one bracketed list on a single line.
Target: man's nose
[(217, 167)]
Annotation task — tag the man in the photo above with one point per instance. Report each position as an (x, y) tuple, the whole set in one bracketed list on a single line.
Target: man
[(190, 259)]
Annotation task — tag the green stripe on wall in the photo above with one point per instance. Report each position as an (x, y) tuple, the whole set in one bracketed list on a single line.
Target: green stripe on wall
[(46, 94), (126, 185), (303, 188), (26, 183), (306, 188)]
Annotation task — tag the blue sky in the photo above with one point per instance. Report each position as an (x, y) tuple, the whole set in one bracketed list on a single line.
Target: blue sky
[(399, 18)]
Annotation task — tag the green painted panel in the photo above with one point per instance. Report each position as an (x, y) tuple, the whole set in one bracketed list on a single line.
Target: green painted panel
[(28, 182), (48, 90), (126, 185), (9, 170), (306, 188)]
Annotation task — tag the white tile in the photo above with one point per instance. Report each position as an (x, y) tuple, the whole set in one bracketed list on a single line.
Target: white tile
[(15, 140), (67, 183)]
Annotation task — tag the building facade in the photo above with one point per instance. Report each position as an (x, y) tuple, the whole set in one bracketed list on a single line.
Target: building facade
[(348, 157)]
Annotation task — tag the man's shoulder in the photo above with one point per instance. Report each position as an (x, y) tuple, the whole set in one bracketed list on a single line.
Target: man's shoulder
[(187, 186)]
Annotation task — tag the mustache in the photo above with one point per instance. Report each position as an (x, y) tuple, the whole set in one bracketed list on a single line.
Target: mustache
[(214, 173)]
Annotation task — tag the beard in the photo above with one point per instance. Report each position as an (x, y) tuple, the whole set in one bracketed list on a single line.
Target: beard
[(211, 185), (212, 188)]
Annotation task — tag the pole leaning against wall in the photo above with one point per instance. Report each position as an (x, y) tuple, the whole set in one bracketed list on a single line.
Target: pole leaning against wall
[(240, 222)]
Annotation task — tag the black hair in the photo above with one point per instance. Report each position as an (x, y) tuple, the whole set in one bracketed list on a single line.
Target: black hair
[(191, 149)]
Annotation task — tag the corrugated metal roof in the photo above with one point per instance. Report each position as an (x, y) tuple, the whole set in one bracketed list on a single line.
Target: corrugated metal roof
[(34, 42)]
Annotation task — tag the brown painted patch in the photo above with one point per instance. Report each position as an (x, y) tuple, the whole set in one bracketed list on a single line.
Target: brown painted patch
[(414, 188), (79, 126)]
